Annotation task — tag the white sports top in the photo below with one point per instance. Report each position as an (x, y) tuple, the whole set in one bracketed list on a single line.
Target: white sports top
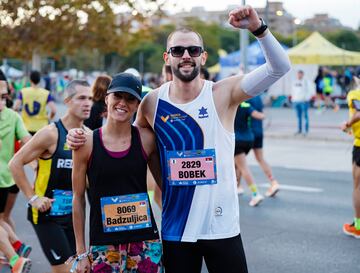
[(197, 158)]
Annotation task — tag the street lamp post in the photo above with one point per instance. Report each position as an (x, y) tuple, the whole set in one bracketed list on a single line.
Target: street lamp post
[(296, 22), (267, 12), (244, 41)]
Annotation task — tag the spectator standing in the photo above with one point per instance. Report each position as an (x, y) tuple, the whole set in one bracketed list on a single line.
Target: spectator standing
[(98, 110), (301, 94)]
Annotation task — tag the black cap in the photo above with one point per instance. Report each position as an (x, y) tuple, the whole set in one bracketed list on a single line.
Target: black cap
[(127, 83)]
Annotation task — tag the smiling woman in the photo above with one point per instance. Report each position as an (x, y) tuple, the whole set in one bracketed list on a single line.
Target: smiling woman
[(114, 159)]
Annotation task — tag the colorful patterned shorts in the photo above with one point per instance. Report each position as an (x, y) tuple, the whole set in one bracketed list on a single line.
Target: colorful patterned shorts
[(139, 257)]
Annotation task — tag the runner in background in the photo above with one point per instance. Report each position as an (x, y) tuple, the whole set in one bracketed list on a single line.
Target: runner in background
[(11, 128), (353, 98), (258, 131), (244, 142), (32, 101), (50, 199)]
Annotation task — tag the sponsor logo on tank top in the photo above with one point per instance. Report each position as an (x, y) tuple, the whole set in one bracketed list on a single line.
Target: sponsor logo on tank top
[(64, 163), (174, 117), (203, 112), (35, 108), (165, 119), (218, 211), (66, 147)]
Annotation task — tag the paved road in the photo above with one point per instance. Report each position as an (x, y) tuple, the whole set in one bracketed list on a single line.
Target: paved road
[(299, 231)]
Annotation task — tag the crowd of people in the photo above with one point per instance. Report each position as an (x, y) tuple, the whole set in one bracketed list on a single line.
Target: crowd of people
[(193, 136)]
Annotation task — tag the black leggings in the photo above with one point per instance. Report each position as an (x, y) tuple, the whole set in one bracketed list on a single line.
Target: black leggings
[(221, 256)]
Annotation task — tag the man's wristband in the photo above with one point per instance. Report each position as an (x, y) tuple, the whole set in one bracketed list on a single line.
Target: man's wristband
[(32, 199), (260, 30)]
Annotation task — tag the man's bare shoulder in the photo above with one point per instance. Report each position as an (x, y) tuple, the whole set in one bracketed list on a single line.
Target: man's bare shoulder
[(47, 135), (146, 109), (151, 96), (82, 155), (42, 144), (227, 83), (89, 135)]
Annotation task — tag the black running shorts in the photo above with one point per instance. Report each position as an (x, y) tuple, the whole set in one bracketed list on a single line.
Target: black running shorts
[(57, 239), (4, 192), (221, 256), (258, 142), (243, 147), (356, 155)]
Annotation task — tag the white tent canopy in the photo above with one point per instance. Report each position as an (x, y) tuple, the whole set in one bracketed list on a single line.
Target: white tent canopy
[(11, 71)]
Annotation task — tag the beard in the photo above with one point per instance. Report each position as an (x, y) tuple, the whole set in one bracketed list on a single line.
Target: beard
[(186, 77)]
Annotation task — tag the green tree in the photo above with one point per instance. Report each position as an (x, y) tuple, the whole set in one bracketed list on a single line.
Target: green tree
[(149, 53), (345, 39), (229, 40), (59, 27)]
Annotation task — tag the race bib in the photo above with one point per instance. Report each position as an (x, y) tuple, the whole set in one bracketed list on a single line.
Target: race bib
[(62, 204), (125, 212), (191, 168)]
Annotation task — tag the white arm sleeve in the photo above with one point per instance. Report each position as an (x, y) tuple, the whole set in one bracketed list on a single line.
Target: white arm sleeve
[(277, 64)]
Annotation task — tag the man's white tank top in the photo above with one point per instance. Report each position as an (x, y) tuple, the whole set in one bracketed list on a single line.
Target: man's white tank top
[(197, 158)]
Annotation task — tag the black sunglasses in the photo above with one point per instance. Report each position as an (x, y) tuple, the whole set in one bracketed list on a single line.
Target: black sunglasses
[(178, 51)]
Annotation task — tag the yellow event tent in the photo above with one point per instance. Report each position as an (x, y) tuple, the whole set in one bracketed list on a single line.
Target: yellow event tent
[(317, 50), (215, 68)]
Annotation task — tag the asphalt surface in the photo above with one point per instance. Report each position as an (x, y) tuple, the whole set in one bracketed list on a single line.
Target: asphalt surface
[(299, 231)]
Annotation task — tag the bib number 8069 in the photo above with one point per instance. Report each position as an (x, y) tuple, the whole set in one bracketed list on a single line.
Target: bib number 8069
[(126, 209)]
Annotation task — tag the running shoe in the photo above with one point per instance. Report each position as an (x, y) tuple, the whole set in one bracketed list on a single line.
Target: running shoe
[(24, 250), (350, 230), (274, 188), (256, 200), (23, 265), (240, 190)]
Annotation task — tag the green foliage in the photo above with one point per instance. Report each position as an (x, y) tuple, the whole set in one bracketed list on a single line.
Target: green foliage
[(89, 35), (229, 40), (58, 27), (345, 39), (151, 55)]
